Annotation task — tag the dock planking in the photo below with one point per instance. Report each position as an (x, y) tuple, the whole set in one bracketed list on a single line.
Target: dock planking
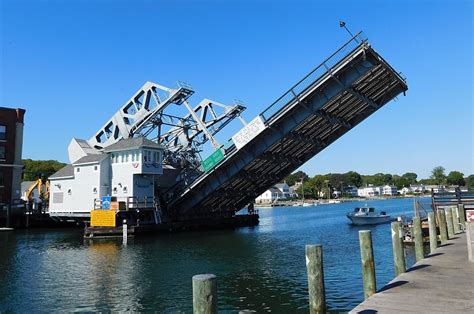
[(440, 283)]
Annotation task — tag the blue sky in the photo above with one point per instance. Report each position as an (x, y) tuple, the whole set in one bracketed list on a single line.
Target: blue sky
[(72, 64)]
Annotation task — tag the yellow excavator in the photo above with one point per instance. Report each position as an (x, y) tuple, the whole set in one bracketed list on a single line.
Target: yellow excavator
[(43, 193)]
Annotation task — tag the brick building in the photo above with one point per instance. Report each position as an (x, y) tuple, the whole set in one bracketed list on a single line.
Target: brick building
[(11, 143)]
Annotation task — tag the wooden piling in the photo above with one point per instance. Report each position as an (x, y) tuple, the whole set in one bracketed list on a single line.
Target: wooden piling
[(462, 214), (204, 294), (368, 266), (418, 237), (397, 245), (449, 222), (443, 229), (433, 233), (314, 266), (124, 232), (470, 240), (456, 228)]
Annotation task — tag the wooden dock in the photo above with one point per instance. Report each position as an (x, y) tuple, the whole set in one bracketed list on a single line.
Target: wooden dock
[(442, 282)]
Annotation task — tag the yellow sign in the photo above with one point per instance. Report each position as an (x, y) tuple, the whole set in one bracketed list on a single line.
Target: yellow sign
[(102, 218)]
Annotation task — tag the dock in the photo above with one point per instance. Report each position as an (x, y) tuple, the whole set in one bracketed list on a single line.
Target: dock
[(443, 282)]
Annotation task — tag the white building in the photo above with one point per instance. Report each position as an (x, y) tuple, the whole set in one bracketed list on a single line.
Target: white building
[(389, 190), (269, 196), (369, 191), (124, 170)]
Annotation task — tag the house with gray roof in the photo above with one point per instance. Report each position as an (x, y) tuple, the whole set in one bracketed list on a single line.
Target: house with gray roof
[(124, 170)]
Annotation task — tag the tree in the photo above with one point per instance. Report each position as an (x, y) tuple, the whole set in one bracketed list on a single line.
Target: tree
[(456, 178), (35, 169), (411, 177), (294, 177), (437, 174), (353, 178), (470, 182)]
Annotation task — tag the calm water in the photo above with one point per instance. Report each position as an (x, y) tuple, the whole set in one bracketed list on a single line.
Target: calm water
[(260, 268)]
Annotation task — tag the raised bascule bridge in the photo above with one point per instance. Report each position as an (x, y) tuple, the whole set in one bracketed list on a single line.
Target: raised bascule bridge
[(342, 91)]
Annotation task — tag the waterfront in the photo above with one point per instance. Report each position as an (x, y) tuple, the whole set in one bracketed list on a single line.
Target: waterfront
[(260, 268)]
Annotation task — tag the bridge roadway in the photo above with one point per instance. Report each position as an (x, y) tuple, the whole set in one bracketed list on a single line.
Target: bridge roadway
[(337, 95), (443, 282)]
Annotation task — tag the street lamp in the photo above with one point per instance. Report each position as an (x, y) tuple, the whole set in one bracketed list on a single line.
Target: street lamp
[(342, 24)]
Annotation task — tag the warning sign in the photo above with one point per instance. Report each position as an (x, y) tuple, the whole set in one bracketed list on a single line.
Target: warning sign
[(470, 215), (103, 218)]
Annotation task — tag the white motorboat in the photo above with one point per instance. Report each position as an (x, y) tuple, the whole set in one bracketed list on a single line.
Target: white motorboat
[(368, 216)]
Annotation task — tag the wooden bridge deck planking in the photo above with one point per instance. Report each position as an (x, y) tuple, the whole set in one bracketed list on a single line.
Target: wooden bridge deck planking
[(443, 282)]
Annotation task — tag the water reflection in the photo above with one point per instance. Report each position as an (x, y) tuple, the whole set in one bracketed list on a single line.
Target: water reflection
[(260, 268)]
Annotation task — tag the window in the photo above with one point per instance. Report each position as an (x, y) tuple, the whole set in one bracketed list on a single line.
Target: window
[(126, 157), (2, 152), (148, 155), (121, 157), (69, 191), (94, 190), (125, 190), (78, 169), (115, 190), (156, 156), (96, 168), (145, 156), (3, 132)]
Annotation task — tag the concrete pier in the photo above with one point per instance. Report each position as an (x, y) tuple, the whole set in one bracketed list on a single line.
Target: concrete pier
[(440, 283)]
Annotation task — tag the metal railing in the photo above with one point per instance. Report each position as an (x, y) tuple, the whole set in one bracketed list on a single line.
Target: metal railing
[(312, 76)]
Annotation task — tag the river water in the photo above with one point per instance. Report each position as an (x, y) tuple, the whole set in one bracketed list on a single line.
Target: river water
[(259, 268)]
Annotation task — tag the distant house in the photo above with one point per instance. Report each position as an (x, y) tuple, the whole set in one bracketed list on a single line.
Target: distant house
[(269, 196), (389, 190), (369, 191), (350, 191), (284, 190), (405, 190)]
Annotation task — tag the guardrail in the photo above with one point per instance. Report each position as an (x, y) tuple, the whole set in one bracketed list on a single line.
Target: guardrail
[(312, 76)]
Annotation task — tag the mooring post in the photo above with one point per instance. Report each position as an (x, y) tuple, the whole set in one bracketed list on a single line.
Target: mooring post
[(314, 266), (470, 240), (443, 229), (462, 214), (456, 228), (418, 237), (204, 294), (368, 266), (124, 231), (433, 233), (449, 222), (397, 245)]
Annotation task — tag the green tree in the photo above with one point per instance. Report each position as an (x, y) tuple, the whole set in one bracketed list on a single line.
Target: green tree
[(411, 177), (455, 178), (35, 169), (438, 175), (353, 178), (470, 182), (294, 177)]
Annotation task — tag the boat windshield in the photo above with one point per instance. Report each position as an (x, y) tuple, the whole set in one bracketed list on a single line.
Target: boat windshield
[(356, 210), (371, 210)]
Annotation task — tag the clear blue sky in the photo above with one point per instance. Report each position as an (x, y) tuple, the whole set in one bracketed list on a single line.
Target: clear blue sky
[(72, 64)]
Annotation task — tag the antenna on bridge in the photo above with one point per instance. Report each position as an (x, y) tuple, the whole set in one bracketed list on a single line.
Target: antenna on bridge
[(343, 24)]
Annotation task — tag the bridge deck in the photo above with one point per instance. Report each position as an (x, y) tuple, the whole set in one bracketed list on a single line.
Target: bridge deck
[(340, 93), (441, 283)]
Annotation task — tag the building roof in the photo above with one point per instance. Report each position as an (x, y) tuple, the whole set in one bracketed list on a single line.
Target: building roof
[(67, 171), (280, 185), (132, 143), (25, 185), (92, 158)]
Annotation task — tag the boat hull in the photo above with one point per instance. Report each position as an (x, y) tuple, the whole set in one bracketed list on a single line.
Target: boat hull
[(359, 221)]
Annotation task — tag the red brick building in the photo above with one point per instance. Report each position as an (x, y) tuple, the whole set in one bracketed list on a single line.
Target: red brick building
[(11, 143)]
